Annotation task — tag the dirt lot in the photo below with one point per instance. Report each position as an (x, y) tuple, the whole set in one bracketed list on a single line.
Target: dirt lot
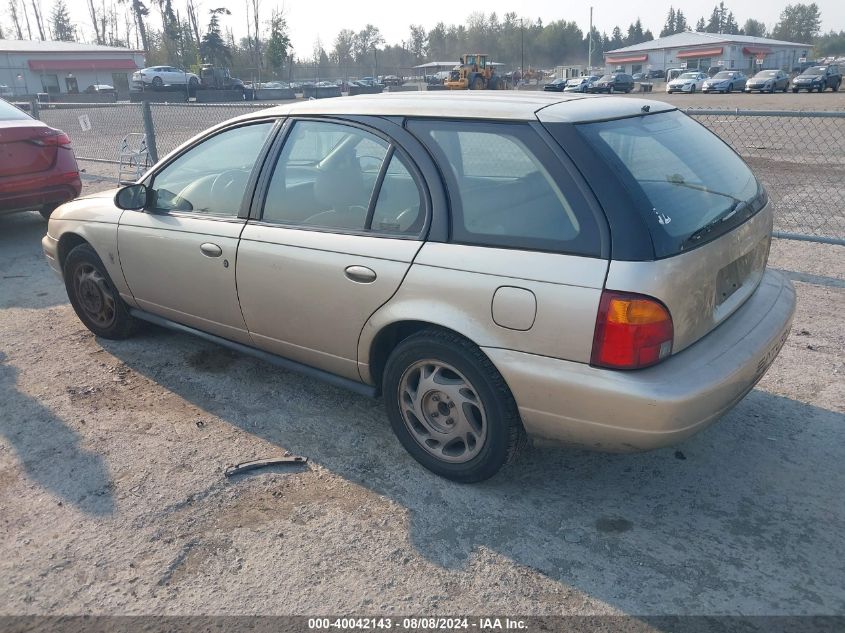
[(114, 501)]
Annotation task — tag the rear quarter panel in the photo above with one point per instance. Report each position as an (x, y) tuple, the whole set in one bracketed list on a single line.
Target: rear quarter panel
[(453, 285)]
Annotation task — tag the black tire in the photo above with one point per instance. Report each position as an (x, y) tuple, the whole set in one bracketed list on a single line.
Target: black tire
[(692, 89), (835, 87), (157, 83), (503, 432), (478, 83), (795, 90), (88, 287), (822, 87)]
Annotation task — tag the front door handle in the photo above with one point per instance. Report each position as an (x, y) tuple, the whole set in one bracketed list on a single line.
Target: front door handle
[(211, 250), (361, 274)]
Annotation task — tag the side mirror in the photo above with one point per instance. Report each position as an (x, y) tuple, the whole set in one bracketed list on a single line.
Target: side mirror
[(131, 197)]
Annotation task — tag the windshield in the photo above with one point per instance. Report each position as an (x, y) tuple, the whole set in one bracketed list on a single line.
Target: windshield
[(766, 74), (688, 76), (576, 82), (814, 71), (723, 76), (683, 176), (8, 112), (606, 78)]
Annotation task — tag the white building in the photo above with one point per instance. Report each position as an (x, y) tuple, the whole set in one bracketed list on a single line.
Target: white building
[(64, 67), (705, 50)]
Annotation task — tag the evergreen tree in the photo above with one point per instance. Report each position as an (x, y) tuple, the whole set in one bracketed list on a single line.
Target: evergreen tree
[(60, 24), (279, 42), (616, 40), (700, 26), (680, 22), (669, 25), (213, 47)]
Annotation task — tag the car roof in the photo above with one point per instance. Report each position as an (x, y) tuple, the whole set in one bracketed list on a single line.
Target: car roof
[(498, 105)]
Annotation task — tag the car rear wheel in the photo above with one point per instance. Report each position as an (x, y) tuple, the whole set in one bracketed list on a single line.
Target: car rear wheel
[(449, 406), (157, 83), (94, 297), (692, 89)]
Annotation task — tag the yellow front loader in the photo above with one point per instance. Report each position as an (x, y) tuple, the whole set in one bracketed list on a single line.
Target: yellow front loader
[(474, 73)]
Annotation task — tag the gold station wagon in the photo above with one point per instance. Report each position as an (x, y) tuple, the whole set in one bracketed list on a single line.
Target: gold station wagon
[(584, 269)]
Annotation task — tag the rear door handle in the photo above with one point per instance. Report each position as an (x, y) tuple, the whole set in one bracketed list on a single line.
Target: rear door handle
[(361, 274), (211, 250)]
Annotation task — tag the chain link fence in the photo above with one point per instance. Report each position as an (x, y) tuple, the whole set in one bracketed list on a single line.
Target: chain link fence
[(799, 156)]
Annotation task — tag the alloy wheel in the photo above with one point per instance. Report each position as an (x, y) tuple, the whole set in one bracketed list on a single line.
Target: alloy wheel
[(95, 296), (443, 411)]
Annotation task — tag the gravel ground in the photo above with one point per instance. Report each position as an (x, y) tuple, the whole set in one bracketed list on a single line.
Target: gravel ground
[(114, 501)]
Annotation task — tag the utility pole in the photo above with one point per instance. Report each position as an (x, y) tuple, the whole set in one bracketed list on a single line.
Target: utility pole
[(590, 45)]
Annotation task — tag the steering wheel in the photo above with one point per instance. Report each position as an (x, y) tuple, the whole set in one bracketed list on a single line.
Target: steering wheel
[(221, 186)]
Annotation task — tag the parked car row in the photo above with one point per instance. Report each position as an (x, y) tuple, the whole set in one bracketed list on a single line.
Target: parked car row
[(818, 78)]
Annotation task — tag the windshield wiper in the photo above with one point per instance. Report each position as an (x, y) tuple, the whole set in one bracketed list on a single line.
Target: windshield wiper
[(719, 220), (689, 185)]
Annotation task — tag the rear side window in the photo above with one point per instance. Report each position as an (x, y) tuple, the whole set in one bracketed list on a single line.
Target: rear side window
[(506, 188), (685, 181)]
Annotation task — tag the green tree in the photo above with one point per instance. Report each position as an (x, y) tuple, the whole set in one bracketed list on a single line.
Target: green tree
[(366, 43), (700, 26), (279, 42), (754, 28), (669, 25), (61, 26), (831, 43), (798, 23), (213, 48), (616, 39), (417, 42), (680, 22)]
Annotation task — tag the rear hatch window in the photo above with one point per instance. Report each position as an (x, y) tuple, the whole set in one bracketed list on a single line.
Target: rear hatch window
[(688, 185)]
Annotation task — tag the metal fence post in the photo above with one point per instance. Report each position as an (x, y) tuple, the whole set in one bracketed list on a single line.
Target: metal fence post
[(150, 131), (33, 108)]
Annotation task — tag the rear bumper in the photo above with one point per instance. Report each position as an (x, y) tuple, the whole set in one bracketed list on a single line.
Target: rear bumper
[(52, 187), (644, 409)]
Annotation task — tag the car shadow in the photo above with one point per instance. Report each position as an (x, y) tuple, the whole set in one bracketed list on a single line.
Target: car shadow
[(26, 280), (746, 517), (50, 453)]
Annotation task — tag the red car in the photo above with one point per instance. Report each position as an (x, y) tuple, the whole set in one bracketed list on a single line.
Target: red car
[(38, 170)]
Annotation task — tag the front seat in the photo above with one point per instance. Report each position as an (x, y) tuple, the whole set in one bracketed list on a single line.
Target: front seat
[(340, 187)]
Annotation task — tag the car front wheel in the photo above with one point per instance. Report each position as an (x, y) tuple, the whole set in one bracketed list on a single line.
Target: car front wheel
[(449, 406), (94, 297)]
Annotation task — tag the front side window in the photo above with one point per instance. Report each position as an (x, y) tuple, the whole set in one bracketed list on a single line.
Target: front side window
[(501, 190), (325, 177), (211, 178)]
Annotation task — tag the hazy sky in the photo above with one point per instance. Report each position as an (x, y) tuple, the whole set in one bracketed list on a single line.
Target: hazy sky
[(310, 19)]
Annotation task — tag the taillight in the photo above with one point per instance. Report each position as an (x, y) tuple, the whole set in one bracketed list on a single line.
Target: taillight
[(56, 139), (632, 331)]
